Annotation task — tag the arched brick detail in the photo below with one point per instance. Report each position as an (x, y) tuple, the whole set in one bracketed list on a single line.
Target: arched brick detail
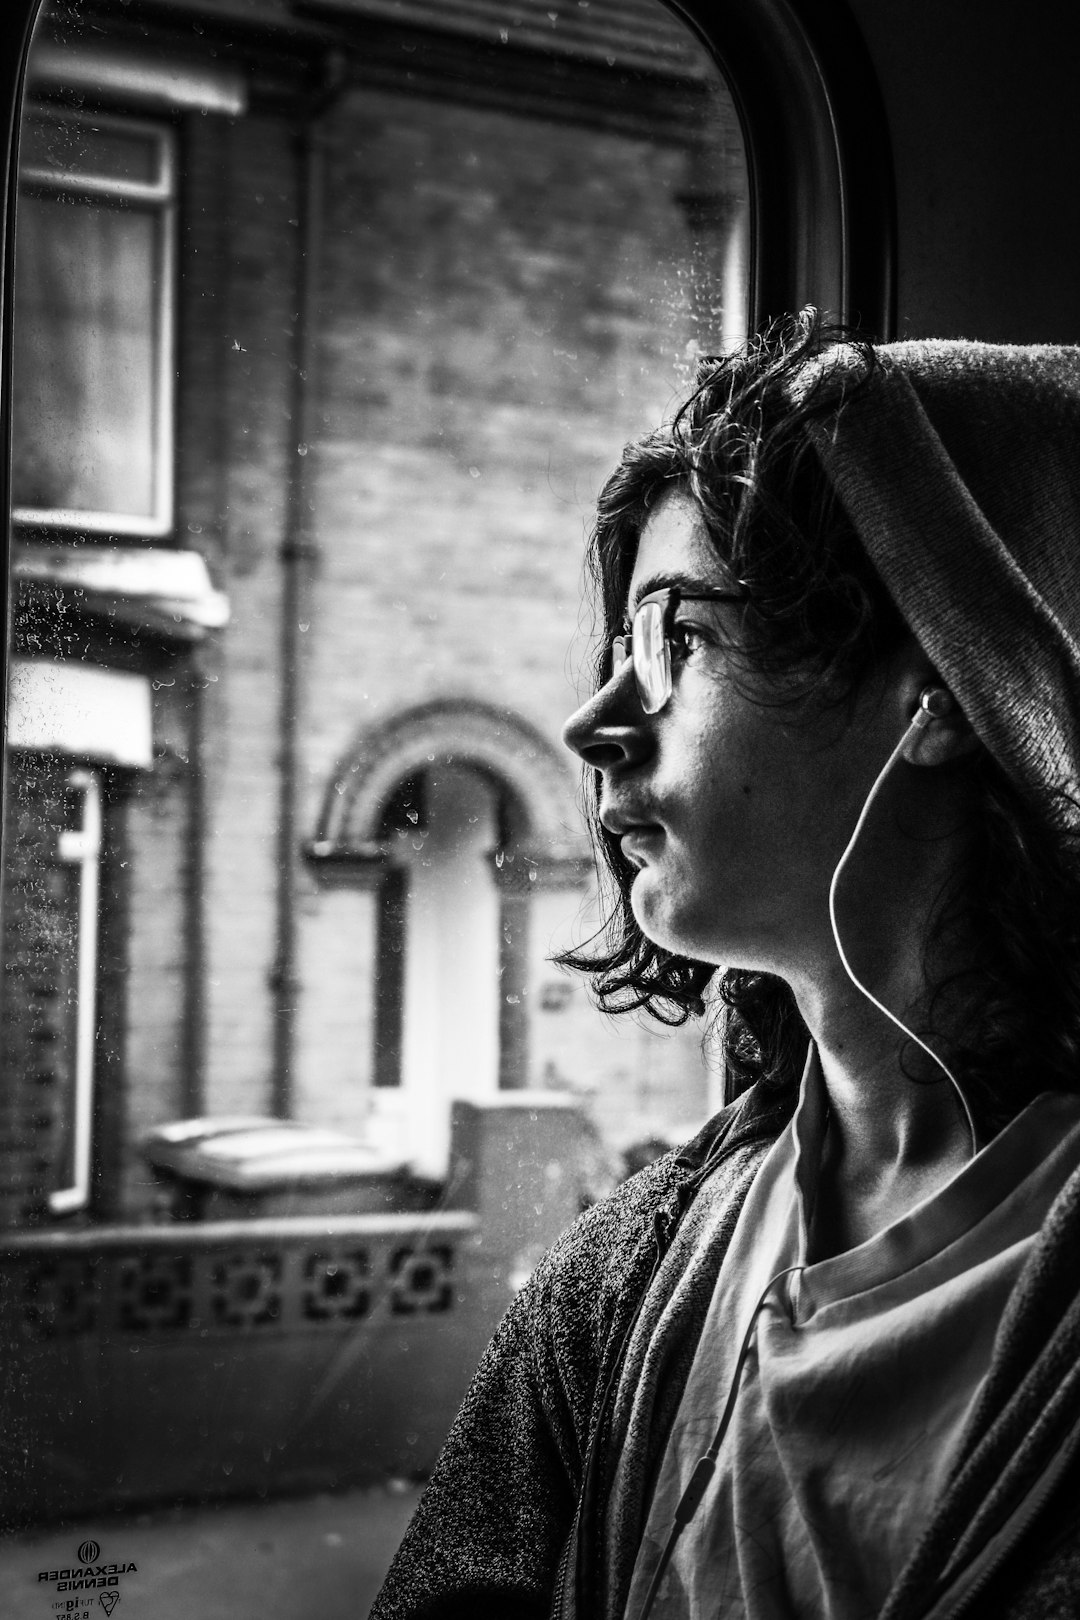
[(541, 787)]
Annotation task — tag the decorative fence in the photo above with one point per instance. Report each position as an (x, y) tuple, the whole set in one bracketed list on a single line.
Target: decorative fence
[(180, 1362), (156, 1363)]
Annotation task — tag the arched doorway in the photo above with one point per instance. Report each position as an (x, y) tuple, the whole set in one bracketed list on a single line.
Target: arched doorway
[(451, 817)]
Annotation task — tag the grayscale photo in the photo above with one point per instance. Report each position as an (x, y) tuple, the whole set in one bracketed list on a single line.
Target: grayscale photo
[(540, 898)]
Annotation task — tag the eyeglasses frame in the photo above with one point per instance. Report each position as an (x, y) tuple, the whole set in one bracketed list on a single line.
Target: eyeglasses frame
[(631, 645)]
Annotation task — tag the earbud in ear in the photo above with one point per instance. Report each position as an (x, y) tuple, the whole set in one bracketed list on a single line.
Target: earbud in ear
[(934, 702)]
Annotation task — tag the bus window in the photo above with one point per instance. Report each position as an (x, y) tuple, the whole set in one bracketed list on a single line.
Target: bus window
[(328, 323)]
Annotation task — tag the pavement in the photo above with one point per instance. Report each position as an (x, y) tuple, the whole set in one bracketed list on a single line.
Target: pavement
[(304, 1558)]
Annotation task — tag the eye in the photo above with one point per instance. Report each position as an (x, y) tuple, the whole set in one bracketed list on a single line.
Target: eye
[(686, 637)]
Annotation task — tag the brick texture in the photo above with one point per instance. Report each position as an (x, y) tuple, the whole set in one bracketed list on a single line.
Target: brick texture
[(499, 303)]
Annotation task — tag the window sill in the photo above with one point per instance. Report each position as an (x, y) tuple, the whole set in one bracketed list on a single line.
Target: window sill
[(168, 590)]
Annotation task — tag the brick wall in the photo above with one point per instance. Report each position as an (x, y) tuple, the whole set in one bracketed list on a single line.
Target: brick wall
[(501, 302)]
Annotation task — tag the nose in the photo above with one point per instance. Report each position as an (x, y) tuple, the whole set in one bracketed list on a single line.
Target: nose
[(611, 728)]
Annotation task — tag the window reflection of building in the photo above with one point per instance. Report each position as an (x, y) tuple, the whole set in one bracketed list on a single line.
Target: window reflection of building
[(421, 298), (103, 612)]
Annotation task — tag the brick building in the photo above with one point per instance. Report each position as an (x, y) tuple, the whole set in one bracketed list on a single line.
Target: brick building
[(366, 295)]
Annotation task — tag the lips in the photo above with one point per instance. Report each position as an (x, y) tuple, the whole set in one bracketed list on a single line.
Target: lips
[(637, 843), (620, 820), (637, 835)]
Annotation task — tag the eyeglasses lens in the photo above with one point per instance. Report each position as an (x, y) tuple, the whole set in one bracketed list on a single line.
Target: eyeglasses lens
[(652, 663)]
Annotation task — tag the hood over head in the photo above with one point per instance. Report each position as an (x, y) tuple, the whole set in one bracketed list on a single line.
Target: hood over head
[(959, 465)]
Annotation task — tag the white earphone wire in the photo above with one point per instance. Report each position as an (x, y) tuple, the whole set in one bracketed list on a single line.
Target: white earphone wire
[(922, 717), (703, 1470)]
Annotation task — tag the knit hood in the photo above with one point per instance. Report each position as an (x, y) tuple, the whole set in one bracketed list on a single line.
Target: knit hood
[(959, 466)]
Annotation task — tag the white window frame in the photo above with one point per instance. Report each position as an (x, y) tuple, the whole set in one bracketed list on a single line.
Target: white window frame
[(162, 192)]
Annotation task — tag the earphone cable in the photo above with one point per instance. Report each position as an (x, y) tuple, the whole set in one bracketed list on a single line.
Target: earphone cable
[(921, 719), (704, 1468)]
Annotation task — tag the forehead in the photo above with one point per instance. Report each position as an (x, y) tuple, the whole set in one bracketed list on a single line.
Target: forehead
[(673, 547)]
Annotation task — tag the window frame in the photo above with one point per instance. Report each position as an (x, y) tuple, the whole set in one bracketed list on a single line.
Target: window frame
[(157, 197), (822, 180)]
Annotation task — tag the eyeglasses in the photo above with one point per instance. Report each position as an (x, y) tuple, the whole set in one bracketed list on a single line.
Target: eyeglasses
[(650, 638)]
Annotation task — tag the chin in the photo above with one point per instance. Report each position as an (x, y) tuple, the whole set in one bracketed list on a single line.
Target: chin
[(661, 923)]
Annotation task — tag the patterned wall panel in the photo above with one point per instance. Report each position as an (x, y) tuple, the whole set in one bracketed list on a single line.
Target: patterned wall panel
[(260, 1277), (185, 1362)]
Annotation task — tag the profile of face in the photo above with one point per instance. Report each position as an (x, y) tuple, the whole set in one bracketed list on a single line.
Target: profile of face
[(732, 804)]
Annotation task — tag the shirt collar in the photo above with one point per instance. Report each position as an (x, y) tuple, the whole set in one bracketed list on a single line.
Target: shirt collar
[(808, 1129)]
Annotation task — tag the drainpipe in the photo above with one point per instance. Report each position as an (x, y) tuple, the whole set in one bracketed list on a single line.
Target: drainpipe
[(299, 552), (193, 1043)]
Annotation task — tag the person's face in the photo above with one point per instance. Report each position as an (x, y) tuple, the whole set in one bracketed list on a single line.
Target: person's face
[(733, 808)]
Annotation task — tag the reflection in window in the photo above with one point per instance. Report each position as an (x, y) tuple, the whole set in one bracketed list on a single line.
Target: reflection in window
[(427, 284), (92, 382), (432, 269)]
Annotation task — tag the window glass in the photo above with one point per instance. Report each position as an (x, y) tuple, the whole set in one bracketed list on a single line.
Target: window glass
[(92, 445), (329, 324), (100, 155)]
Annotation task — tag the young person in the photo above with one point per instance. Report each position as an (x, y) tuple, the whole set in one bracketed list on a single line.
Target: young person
[(825, 1360)]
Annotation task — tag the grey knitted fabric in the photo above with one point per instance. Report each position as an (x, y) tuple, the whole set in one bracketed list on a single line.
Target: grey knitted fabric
[(959, 465), (659, 1354)]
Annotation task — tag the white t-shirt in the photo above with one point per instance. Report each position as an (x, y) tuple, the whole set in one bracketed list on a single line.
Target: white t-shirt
[(862, 1370)]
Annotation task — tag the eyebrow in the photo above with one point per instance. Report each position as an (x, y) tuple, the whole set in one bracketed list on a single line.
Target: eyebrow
[(685, 582)]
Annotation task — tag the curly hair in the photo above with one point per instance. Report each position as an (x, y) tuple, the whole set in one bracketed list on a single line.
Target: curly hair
[(819, 619)]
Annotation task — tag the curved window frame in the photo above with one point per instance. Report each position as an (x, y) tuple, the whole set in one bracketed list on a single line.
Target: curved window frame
[(822, 185)]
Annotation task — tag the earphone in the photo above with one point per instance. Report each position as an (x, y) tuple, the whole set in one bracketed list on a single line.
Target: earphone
[(934, 704)]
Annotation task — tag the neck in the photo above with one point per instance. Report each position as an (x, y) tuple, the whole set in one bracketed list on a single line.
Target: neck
[(898, 1130), (878, 1163)]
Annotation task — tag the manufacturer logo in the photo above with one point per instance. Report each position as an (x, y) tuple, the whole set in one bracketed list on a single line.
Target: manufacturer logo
[(89, 1576)]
